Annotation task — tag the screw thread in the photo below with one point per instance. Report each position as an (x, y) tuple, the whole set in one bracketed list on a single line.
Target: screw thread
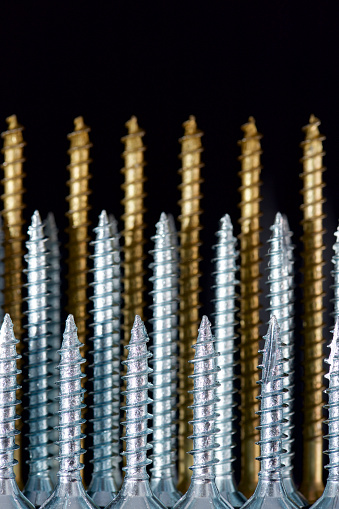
[(249, 301), (134, 225), (137, 401), (70, 403), (78, 223)]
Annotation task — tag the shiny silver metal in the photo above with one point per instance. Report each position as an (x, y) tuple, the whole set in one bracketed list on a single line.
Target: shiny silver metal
[(203, 492), (225, 264), (330, 497), (102, 488), (10, 495), (164, 376), (39, 485), (270, 492), (69, 492), (136, 492), (335, 275), (54, 338), (281, 305)]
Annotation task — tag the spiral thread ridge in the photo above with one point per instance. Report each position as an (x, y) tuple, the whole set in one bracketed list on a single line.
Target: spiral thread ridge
[(38, 349), (70, 403), (78, 223), (137, 401), (134, 225)]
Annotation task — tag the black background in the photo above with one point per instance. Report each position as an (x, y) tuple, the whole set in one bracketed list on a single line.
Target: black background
[(162, 61)]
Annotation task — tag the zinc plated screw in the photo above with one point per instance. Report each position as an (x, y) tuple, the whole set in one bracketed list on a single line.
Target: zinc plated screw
[(106, 415), (69, 491), (164, 375), (136, 492), (39, 484), (270, 491), (10, 495), (225, 263), (203, 491), (330, 497), (281, 304)]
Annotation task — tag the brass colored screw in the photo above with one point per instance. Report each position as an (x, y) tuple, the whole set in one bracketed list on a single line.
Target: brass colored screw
[(313, 231), (189, 284), (249, 302), (13, 235), (78, 224), (133, 218)]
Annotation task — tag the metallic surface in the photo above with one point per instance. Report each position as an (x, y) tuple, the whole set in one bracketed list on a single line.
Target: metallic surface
[(281, 305), (313, 231), (189, 282), (54, 327), (39, 485), (270, 492), (249, 301), (78, 224), (203, 491), (69, 491), (106, 414), (225, 267), (133, 218), (136, 492), (10, 495), (330, 497), (164, 375)]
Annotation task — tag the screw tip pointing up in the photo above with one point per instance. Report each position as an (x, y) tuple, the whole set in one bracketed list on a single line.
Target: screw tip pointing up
[(225, 222), (205, 332), (103, 218), (334, 347), (132, 125), (70, 325), (138, 332), (36, 219), (270, 351), (6, 328)]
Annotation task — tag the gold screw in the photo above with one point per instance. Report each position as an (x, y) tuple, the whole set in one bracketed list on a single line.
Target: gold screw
[(78, 224), (134, 225), (312, 486), (189, 284), (249, 303)]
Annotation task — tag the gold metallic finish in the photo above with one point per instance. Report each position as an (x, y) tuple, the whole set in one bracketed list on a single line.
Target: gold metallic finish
[(134, 225), (249, 302), (312, 485), (190, 156), (78, 225)]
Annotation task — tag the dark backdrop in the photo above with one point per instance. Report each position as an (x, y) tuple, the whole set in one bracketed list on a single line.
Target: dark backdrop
[(162, 61)]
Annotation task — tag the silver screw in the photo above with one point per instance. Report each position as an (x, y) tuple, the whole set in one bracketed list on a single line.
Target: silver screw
[(335, 274), (270, 491), (330, 497), (39, 485), (69, 491), (136, 492), (224, 316), (281, 285), (203, 491), (102, 488), (54, 326), (10, 495), (164, 375)]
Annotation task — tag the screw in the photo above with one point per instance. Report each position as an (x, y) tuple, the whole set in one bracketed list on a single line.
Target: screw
[(39, 485), (224, 306), (249, 301), (106, 414), (11, 496), (69, 490), (313, 231), (53, 313), (203, 491), (164, 372), (270, 490), (136, 492), (280, 296), (189, 218)]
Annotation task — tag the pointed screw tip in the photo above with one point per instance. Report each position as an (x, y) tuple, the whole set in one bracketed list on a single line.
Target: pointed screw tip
[(103, 218), (36, 219), (79, 123)]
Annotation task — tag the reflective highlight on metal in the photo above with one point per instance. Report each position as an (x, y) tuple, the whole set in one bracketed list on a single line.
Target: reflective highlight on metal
[(270, 491), (164, 376), (225, 267), (203, 491), (136, 492), (39, 485)]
